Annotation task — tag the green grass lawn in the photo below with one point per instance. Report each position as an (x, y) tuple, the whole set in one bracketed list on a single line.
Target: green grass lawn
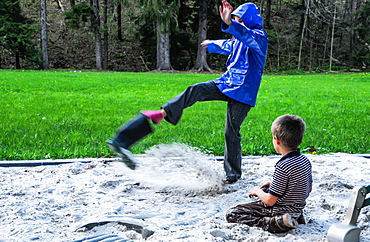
[(67, 114)]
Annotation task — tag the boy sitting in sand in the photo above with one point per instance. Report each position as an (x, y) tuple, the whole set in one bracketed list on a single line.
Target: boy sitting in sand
[(282, 200)]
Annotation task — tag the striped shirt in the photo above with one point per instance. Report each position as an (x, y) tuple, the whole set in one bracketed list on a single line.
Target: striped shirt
[(291, 183)]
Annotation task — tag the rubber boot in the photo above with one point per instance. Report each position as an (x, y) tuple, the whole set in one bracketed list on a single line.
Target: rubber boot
[(130, 133), (282, 223)]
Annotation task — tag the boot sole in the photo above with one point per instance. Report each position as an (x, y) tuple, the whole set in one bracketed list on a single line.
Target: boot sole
[(126, 156)]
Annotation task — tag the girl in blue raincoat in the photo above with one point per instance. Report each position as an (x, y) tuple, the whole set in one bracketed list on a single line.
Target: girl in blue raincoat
[(238, 86)]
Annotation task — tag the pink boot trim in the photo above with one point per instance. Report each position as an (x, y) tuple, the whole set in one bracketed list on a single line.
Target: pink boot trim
[(155, 116)]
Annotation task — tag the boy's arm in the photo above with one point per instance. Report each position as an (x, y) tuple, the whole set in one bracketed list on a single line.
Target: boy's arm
[(222, 46), (265, 197), (245, 35)]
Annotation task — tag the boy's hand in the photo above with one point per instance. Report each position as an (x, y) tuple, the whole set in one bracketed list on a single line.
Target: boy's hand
[(253, 192), (266, 187), (225, 12), (204, 44), (265, 197)]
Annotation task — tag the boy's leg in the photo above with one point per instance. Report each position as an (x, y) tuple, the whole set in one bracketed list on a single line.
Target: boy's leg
[(236, 113), (205, 91), (259, 215), (251, 214)]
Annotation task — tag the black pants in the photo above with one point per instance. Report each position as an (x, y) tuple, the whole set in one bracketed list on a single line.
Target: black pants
[(260, 215), (252, 214), (236, 113)]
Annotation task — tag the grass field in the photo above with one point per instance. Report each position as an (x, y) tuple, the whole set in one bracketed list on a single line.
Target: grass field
[(67, 114)]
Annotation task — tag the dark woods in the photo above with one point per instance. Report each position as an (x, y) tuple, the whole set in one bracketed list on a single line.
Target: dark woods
[(142, 35)]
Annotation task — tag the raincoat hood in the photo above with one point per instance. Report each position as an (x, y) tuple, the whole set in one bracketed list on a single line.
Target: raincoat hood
[(250, 15)]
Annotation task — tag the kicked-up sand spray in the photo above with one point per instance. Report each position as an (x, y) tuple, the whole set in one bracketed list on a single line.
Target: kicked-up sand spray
[(178, 168)]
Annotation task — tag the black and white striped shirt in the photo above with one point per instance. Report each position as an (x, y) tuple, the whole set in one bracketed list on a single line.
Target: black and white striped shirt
[(291, 183)]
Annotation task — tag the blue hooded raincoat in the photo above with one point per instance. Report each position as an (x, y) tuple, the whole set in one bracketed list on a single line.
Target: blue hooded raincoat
[(247, 54)]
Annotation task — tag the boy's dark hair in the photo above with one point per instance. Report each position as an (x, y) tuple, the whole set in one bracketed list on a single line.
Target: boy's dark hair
[(289, 129)]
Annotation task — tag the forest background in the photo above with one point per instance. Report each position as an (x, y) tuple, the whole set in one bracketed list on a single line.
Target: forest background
[(146, 35)]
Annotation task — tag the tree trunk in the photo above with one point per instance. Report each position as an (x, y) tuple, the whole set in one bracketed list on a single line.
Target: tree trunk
[(302, 36), (96, 26), (268, 14), (119, 22), (60, 5), (261, 7), (44, 36), (201, 62), (17, 60), (303, 16), (332, 38), (163, 46), (324, 56), (105, 36)]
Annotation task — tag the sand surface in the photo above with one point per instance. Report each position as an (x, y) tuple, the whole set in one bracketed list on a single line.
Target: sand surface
[(176, 192)]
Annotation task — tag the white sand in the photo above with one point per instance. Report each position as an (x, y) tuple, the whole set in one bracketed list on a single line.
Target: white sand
[(176, 192)]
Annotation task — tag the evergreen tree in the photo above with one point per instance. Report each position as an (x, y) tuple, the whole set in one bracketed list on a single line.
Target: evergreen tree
[(16, 33), (161, 12), (361, 57)]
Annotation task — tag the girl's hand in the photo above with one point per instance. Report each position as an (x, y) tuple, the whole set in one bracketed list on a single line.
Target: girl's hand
[(225, 12)]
